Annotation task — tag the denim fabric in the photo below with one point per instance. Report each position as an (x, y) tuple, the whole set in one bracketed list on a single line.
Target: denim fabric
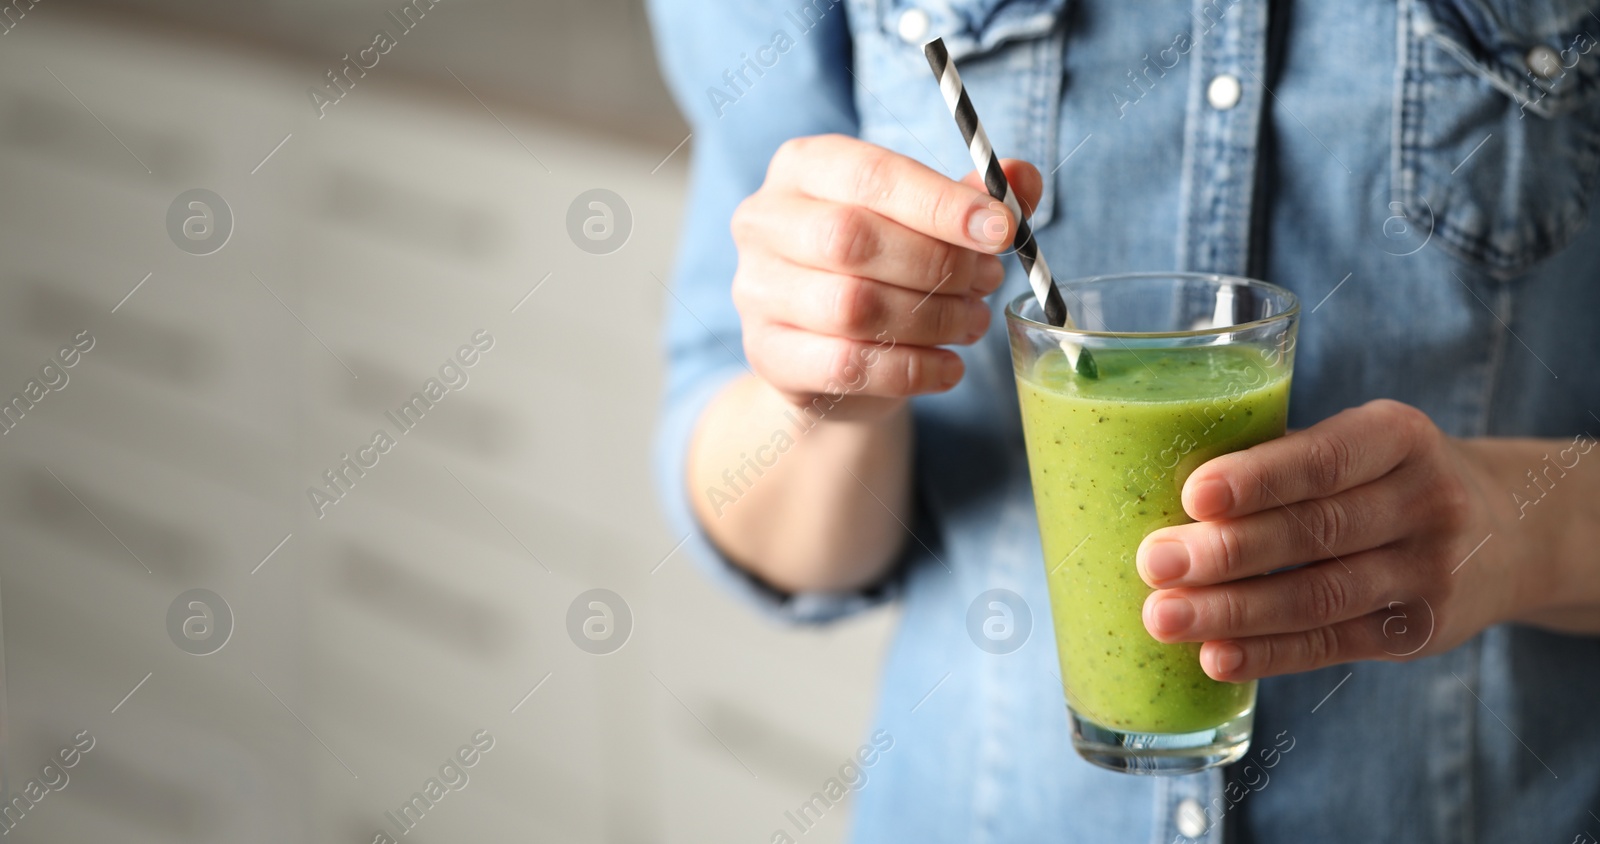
[(1402, 166)]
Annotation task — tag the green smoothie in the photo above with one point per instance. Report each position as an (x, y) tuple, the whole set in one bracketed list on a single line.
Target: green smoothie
[(1108, 458)]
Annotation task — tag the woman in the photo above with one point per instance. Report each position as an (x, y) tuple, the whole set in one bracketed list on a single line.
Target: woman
[(1419, 173)]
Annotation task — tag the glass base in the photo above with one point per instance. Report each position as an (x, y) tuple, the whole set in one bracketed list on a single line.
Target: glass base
[(1161, 754)]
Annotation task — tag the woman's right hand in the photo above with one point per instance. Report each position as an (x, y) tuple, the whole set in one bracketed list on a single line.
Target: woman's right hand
[(856, 264)]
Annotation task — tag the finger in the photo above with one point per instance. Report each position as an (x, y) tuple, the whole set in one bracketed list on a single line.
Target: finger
[(801, 363), (1288, 602), (1202, 553), (1026, 183), (853, 240), (858, 308), (850, 171), (1342, 452), (1238, 660)]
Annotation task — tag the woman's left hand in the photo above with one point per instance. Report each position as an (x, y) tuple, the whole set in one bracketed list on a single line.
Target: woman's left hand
[(1389, 525)]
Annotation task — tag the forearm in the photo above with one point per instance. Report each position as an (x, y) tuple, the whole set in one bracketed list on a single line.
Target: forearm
[(1545, 500), (805, 498)]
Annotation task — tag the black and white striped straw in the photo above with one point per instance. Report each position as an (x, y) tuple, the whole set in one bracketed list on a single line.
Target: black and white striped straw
[(994, 178)]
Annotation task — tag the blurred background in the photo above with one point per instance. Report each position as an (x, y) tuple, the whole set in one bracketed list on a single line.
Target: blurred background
[(264, 290)]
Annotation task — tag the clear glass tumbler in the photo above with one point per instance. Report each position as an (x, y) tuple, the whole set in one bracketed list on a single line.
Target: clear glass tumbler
[(1190, 366)]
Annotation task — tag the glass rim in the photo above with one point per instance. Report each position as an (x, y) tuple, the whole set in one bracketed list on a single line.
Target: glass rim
[(1013, 308)]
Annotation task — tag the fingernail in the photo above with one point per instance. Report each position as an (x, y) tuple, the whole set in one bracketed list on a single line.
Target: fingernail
[(950, 372), (978, 322), (1211, 497), (1165, 560), (987, 224), (1226, 657), (1171, 615)]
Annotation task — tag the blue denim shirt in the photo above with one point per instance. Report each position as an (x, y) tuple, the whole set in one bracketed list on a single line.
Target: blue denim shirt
[(1419, 172)]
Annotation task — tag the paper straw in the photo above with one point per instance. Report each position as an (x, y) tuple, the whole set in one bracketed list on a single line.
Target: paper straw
[(994, 178)]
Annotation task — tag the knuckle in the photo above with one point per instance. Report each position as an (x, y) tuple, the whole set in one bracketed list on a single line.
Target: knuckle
[(838, 370), (1396, 412), (950, 318), (1327, 598), (1328, 520), (1321, 647), (1228, 549), (1234, 614), (1328, 461), (1444, 591), (784, 157), (847, 237), (857, 306), (740, 223), (740, 293), (1436, 566), (942, 210), (1409, 421), (870, 175), (1453, 503), (754, 344), (1268, 655), (948, 262), (793, 152)]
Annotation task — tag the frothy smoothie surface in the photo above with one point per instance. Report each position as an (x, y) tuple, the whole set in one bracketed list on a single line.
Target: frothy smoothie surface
[(1108, 458)]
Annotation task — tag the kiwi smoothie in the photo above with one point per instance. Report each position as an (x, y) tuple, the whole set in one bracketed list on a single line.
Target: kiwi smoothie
[(1109, 457)]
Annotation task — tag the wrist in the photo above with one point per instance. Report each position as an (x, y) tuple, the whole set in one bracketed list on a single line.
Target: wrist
[(1522, 560), (1541, 510)]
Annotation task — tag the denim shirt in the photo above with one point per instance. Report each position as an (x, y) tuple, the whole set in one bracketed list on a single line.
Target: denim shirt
[(1419, 172)]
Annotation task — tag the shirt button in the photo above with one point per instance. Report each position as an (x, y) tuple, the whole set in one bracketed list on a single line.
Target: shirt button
[(1544, 61), (913, 25), (1224, 91), (1190, 818)]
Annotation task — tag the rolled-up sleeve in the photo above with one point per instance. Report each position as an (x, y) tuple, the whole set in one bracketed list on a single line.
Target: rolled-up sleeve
[(747, 79)]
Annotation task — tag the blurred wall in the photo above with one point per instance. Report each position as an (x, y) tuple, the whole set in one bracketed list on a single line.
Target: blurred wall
[(344, 651)]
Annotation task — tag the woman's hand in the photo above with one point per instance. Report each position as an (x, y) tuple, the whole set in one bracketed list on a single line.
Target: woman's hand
[(856, 267), (1402, 547), (856, 264)]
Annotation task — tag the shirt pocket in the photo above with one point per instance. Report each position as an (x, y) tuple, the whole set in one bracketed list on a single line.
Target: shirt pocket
[(1498, 137), (1009, 53)]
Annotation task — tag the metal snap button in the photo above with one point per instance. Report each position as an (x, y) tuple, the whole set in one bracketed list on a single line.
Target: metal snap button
[(1224, 91), (1544, 62), (1190, 818), (913, 25)]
